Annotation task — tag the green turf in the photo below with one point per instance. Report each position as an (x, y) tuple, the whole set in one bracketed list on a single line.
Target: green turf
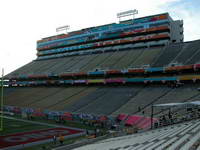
[(50, 145), (12, 126), (73, 124), (69, 124)]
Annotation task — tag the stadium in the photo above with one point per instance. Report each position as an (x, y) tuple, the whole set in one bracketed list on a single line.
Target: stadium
[(123, 76)]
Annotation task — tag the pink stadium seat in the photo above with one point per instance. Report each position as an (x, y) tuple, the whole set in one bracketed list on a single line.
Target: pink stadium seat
[(146, 124), (132, 120), (122, 117)]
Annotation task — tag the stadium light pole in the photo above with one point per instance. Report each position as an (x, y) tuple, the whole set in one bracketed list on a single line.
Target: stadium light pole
[(63, 28), (2, 100), (127, 13)]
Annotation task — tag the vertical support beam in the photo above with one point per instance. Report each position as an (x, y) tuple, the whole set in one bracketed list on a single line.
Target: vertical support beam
[(1, 127), (152, 117)]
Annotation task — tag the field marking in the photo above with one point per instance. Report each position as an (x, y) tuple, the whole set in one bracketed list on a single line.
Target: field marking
[(42, 123), (30, 138)]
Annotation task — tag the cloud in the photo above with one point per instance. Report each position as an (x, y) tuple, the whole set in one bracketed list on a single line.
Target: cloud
[(189, 12)]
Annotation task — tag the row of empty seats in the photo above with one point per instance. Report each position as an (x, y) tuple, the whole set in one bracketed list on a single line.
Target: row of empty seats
[(74, 99), (143, 99), (181, 136), (182, 53), (107, 100)]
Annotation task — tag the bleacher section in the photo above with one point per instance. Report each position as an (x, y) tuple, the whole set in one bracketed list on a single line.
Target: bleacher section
[(182, 136), (146, 58), (194, 58), (143, 99), (114, 70), (86, 63), (155, 57), (110, 100), (108, 70), (168, 54), (182, 94), (75, 99)]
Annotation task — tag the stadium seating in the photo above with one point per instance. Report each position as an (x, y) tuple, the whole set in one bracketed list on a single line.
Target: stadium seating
[(26, 97), (101, 72), (75, 99), (182, 136), (130, 56), (125, 99), (168, 54), (181, 53), (66, 104), (185, 53), (109, 63), (110, 100), (194, 58), (146, 57), (98, 59), (144, 98), (174, 95)]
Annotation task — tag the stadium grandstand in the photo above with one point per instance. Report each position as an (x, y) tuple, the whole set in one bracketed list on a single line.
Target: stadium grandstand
[(182, 136), (118, 70)]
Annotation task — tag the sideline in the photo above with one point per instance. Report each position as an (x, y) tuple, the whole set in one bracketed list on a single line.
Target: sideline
[(42, 123), (30, 144)]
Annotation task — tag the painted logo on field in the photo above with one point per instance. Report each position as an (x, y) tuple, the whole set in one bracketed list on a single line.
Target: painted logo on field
[(34, 136)]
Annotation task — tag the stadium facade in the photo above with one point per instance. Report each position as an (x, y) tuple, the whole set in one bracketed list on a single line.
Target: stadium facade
[(141, 32), (110, 69)]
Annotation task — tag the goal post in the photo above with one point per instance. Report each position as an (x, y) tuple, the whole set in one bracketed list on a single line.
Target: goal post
[(2, 86)]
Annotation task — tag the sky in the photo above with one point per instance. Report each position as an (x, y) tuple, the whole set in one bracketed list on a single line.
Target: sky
[(23, 22)]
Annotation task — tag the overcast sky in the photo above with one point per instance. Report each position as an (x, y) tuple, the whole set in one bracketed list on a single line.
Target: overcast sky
[(23, 22)]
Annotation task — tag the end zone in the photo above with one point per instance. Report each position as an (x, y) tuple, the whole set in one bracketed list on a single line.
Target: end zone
[(26, 139)]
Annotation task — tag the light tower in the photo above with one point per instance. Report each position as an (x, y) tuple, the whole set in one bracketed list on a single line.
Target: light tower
[(127, 13), (63, 28)]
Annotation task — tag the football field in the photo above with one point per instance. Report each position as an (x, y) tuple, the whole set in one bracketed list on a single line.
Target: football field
[(14, 126), (20, 134)]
